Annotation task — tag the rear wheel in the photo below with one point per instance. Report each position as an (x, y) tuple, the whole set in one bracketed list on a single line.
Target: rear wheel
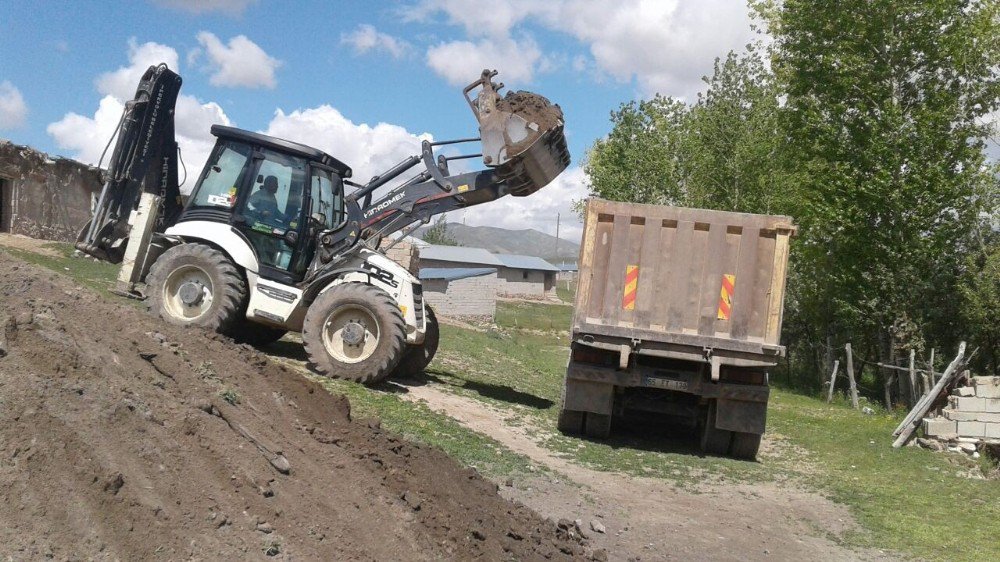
[(714, 441), (196, 285), (354, 331), (745, 445), (416, 358), (252, 333)]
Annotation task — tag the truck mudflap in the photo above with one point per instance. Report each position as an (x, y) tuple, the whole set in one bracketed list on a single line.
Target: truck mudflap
[(741, 415)]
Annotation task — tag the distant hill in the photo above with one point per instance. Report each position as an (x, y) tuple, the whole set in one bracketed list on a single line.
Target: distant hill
[(527, 242)]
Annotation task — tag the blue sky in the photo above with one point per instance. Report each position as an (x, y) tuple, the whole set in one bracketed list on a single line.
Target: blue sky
[(362, 80)]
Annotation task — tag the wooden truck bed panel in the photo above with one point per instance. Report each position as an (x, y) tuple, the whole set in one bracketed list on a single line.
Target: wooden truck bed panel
[(682, 275)]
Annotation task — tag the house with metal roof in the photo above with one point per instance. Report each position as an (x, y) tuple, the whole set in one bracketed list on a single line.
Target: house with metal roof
[(517, 275), (461, 292)]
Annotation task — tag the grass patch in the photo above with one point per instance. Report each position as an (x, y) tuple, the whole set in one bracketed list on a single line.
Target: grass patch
[(566, 291), (928, 504), (97, 275), (533, 315)]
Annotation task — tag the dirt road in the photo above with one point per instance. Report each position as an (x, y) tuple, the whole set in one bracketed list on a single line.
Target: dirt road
[(650, 518), (124, 438)]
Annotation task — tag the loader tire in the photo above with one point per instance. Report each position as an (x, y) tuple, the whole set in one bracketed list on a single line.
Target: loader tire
[(745, 446), (416, 358), (714, 441), (355, 332), (252, 333), (196, 285), (570, 422)]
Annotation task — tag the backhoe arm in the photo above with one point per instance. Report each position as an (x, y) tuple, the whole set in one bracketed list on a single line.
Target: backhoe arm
[(144, 160)]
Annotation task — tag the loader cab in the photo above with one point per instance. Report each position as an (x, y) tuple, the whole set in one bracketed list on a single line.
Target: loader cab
[(277, 195)]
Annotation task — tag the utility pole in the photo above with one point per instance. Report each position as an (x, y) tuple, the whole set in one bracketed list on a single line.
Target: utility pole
[(557, 237)]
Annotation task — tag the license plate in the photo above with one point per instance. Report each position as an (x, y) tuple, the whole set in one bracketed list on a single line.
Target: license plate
[(668, 384)]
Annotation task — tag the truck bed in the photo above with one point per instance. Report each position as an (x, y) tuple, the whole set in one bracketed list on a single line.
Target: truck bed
[(683, 277)]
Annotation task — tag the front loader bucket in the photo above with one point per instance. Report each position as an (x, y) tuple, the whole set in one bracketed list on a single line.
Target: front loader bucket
[(522, 135)]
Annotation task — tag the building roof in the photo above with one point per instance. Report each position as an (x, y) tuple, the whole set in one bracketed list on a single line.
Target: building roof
[(459, 254), (525, 262), (567, 266), (454, 273)]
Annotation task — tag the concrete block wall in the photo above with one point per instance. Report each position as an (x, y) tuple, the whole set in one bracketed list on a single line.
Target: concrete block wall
[(472, 297), (973, 412), (405, 254)]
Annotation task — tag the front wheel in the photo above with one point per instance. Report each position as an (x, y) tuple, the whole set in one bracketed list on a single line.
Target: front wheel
[(354, 331), (196, 285), (416, 358)]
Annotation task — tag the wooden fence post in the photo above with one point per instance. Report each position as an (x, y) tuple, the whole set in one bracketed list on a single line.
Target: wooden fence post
[(913, 379), (833, 381), (930, 369), (850, 377)]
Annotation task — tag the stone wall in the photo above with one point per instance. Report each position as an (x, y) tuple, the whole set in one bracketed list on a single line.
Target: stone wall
[(44, 197), (973, 412), (472, 297)]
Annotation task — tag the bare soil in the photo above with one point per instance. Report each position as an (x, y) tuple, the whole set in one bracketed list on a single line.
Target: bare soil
[(124, 438), (654, 519), (533, 108)]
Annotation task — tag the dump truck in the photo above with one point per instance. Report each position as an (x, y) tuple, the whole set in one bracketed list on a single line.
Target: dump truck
[(678, 311), (276, 237)]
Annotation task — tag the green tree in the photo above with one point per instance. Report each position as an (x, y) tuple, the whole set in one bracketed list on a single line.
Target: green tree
[(640, 160), (733, 144), (721, 152), (438, 233), (884, 119)]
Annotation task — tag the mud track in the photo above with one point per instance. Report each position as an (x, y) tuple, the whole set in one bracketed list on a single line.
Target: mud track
[(124, 438)]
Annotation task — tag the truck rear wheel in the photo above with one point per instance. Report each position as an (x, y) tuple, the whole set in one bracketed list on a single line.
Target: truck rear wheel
[(714, 441), (196, 285), (745, 445), (416, 358), (354, 331)]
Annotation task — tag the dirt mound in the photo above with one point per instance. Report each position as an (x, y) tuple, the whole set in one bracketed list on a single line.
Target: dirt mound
[(124, 438)]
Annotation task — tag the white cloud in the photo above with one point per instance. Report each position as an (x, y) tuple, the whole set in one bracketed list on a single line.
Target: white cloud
[(241, 63), (496, 21), (229, 7), (537, 211), (13, 110), (87, 136), (461, 62), (368, 150), (121, 83), (366, 38), (666, 46)]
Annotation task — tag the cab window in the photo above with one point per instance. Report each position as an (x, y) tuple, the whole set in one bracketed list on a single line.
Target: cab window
[(224, 173)]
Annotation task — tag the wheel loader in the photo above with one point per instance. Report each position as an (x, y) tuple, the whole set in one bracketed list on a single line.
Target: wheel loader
[(276, 237)]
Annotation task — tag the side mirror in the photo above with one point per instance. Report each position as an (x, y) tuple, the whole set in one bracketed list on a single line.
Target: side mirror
[(291, 237)]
